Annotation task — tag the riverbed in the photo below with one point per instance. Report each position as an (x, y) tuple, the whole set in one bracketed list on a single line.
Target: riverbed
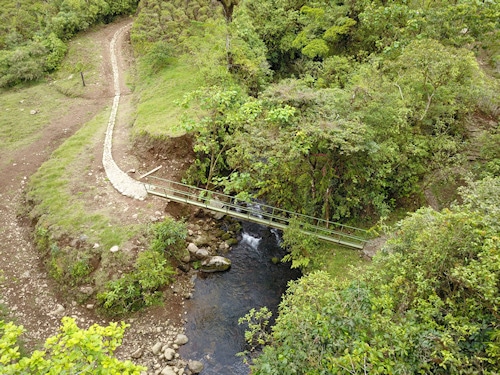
[(219, 299)]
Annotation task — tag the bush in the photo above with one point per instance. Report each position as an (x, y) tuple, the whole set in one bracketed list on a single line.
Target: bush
[(158, 57), (168, 237), (428, 304), (25, 63), (138, 289), (69, 266), (56, 51), (72, 351)]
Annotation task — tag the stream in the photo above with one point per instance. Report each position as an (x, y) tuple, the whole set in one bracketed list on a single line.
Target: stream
[(219, 299)]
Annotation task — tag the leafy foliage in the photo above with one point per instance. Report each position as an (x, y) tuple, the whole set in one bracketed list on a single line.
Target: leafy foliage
[(257, 322), (168, 23), (367, 99), (142, 287), (137, 289), (168, 237), (72, 351), (33, 34), (428, 304), (300, 246)]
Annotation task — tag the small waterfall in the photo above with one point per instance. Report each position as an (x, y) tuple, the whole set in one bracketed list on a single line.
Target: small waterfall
[(277, 236), (252, 241)]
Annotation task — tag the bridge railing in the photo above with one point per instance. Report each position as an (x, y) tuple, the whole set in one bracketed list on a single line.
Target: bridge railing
[(260, 213)]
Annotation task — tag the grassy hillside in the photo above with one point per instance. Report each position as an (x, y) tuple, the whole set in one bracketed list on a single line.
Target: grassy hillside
[(33, 34), (49, 100), (159, 113)]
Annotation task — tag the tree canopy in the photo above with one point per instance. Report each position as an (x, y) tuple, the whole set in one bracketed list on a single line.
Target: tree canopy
[(428, 304), (348, 106), (33, 33)]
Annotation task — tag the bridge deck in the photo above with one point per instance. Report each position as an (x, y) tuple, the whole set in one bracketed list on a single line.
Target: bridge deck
[(262, 214)]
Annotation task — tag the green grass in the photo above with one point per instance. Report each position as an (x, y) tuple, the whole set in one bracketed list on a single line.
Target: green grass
[(18, 127), (337, 260), (65, 213), (81, 57), (158, 114)]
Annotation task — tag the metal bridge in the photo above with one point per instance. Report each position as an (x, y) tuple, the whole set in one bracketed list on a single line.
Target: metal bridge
[(262, 214)]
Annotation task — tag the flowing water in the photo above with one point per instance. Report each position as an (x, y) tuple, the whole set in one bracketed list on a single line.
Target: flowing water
[(219, 299)]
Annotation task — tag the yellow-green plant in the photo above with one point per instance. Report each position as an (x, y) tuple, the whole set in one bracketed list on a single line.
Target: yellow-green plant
[(71, 351)]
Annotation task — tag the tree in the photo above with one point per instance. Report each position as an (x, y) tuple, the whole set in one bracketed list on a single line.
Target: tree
[(276, 23), (212, 131), (228, 8), (323, 28), (438, 84), (428, 304), (72, 351)]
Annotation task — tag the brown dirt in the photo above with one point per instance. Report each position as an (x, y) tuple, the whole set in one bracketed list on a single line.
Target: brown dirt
[(31, 297)]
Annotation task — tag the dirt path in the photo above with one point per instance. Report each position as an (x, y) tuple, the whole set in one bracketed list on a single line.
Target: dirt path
[(26, 290), (30, 296)]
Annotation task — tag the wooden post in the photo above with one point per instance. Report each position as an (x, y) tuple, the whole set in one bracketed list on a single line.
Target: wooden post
[(83, 80)]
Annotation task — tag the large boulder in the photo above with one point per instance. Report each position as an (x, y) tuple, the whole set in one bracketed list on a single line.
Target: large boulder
[(219, 205), (215, 264)]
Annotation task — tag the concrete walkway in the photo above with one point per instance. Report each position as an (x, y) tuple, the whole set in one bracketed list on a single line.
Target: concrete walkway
[(118, 178)]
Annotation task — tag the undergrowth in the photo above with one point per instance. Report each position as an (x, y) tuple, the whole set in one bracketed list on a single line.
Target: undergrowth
[(152, 271)]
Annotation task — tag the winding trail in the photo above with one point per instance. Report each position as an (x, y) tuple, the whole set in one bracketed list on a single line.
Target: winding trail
[(118, 178), (28, 295)]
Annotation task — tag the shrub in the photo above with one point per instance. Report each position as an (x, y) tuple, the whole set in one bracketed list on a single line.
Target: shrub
[(138, 289), (71, 351), (428, 304), (168, 237)]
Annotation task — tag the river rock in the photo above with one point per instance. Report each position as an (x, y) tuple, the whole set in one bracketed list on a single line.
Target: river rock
[(169, 354), (186, 256), (195, 367), (181, 339), (184, 267), (202, 254), (192, 248), (137, 354), (168, 371), (215, 264), (223, 246), (156, 348), (58, 310), (217, 204), (203, 240), (87, 290)]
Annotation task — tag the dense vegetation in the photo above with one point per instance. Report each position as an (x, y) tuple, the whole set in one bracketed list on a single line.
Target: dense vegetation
[(33, 34), (346, 110), (429, 303), (348, 106), (152, 272), (352, 110)]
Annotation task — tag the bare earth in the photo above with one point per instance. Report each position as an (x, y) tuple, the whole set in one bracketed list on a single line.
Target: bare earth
[(32, 298)]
